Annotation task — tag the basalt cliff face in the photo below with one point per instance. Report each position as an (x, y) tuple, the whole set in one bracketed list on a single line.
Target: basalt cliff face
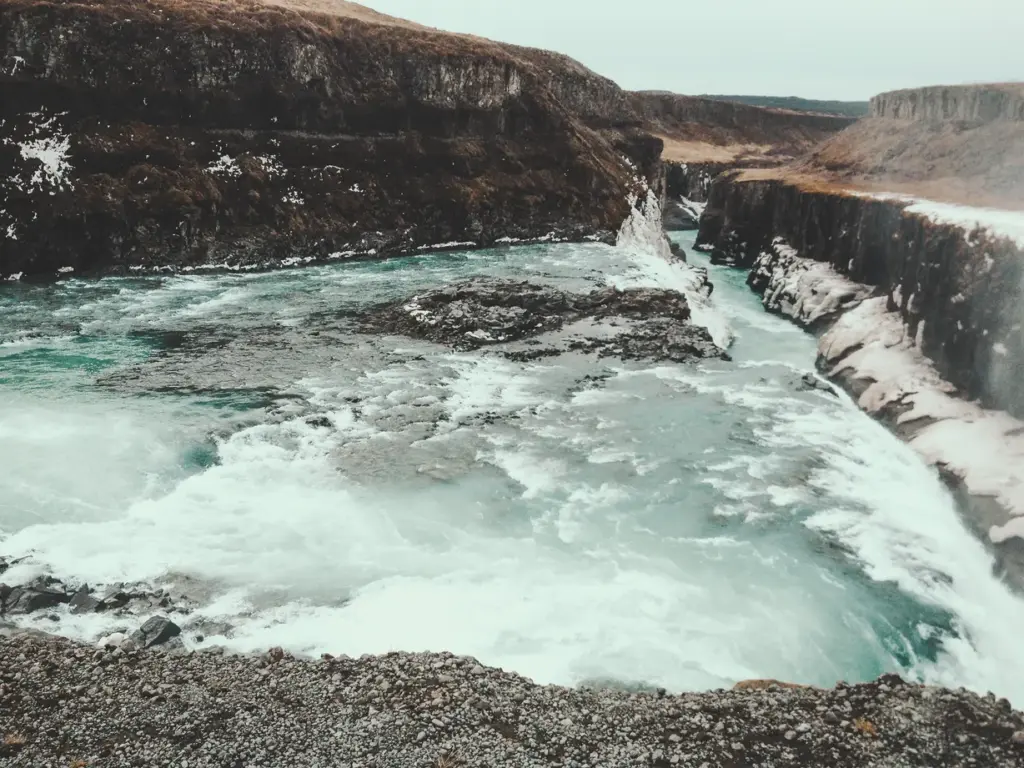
[(958, 291), (185, 134), (704, 137), (918, 300)]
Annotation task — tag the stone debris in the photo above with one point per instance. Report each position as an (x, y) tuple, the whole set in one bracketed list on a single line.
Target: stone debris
[(65, 704)]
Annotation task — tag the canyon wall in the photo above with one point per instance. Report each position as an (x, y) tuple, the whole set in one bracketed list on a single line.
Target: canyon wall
[(960, 292), (187, 134), (729, 122), (979, 104)]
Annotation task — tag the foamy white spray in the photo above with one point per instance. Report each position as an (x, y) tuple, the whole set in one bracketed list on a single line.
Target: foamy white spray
[(652, 263)]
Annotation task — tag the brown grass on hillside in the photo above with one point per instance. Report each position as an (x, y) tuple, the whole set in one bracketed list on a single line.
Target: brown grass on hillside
[(681, 151)]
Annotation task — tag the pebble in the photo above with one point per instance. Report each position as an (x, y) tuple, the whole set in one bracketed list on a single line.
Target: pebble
[(166, 709)]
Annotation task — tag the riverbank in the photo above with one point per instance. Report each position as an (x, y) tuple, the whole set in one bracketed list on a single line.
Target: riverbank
[(63, 703)]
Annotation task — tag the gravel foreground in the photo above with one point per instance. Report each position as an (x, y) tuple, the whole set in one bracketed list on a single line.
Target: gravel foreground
[(68, 705)]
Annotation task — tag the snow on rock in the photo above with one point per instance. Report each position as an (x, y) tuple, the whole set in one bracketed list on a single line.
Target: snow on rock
[(805, 290), (693, 208), (996, 222), (1000, 223), (446, 246), (225, 166), (984, 448)]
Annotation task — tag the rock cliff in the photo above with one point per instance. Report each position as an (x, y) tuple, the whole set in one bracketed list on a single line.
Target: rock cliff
[(187, 134), (958, 290), (975, 104), (960, 144), (919, 301)]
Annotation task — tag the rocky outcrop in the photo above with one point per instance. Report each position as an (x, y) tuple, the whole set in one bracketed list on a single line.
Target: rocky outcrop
[(190, 134), (967, 103), (633, 324)]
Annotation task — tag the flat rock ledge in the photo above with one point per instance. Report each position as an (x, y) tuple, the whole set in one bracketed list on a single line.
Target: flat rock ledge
[(66, 704), (526, 320)]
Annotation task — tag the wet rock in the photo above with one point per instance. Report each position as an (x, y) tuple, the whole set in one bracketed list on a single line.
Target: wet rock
[(42, 594), (634, 324), (157, 630), (84, 602), (810, 382)]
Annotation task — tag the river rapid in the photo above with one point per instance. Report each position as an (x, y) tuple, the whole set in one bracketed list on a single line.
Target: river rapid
[(574, 519)]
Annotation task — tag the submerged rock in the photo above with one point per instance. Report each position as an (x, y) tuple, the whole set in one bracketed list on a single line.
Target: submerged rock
[(637, 323)]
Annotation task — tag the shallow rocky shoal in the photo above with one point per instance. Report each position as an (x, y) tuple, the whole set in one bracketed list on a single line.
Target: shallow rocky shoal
[(65, 704)]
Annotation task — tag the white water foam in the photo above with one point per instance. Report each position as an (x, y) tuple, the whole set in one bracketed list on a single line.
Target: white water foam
[(643, 240)]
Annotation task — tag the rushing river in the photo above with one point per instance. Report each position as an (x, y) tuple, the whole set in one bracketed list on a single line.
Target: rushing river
[(572, 519)]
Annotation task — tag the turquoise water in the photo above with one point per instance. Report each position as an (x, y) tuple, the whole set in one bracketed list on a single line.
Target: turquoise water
[(572, 519)]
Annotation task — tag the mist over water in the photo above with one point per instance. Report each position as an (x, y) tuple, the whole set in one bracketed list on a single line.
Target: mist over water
[(572, 519)]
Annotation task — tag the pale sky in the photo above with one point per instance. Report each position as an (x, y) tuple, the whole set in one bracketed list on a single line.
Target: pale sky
[(842, 49)]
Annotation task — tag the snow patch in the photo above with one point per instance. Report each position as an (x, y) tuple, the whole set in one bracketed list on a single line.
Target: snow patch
[(271, 166), (225, 166), (996, 222), (444, 246), (803, 289)]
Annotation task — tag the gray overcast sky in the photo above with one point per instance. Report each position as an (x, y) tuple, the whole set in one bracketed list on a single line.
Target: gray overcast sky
[(842, 49)]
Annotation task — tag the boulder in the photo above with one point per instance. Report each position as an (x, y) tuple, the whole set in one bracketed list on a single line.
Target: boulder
[(156, 631), (41, 594), (84, 602)]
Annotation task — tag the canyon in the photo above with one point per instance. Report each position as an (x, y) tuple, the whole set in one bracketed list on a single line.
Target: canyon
[(594, 460), (917, 296)]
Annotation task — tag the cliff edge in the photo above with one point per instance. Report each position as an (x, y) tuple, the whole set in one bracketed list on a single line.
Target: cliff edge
[(193, 133), (956, 144)]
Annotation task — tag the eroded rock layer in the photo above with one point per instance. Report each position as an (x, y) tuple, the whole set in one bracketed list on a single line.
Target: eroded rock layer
[(198, 133)]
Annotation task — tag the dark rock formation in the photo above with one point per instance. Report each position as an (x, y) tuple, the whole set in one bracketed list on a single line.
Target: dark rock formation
[(641, 323), (157, 630), (191, 134), (46, 592), (960, 292), (41, 594)]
